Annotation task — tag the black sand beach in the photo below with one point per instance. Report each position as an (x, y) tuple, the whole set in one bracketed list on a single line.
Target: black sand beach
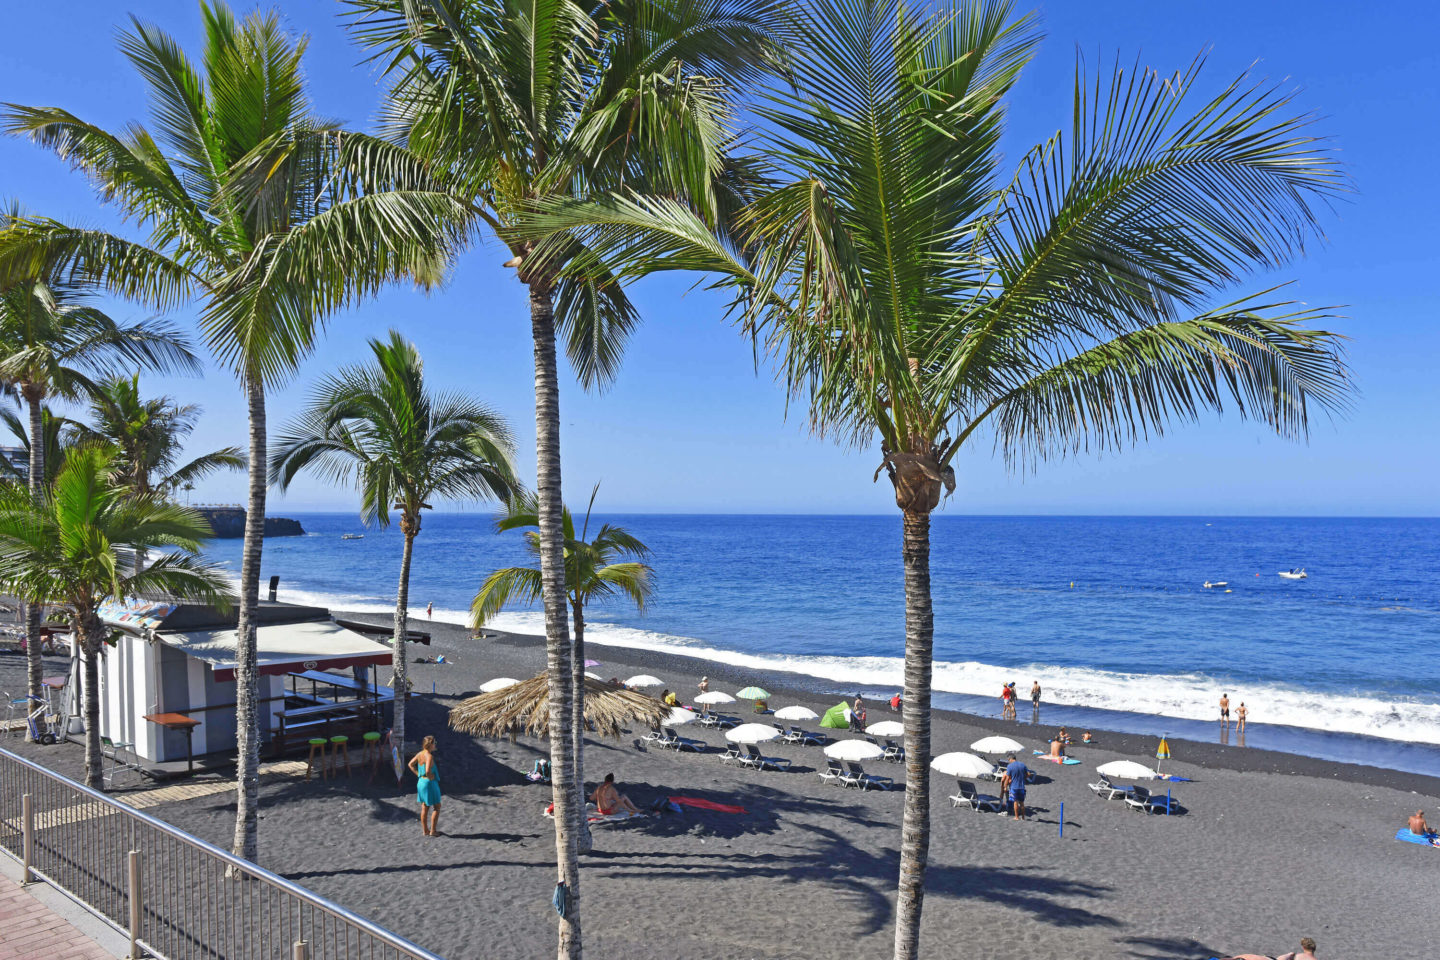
[(1268, 846)]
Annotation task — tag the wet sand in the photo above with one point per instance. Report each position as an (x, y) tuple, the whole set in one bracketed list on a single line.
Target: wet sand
[(1268, 846)]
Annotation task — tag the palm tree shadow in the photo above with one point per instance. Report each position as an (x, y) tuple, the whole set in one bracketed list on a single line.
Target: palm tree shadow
[(1167, 948)]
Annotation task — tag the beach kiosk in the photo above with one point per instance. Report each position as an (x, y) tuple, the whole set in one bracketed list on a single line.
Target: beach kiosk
[(167, 684)]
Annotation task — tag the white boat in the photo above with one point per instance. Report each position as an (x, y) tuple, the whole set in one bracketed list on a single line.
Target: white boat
[(1297, 574), (352, 536), (1216, 583)]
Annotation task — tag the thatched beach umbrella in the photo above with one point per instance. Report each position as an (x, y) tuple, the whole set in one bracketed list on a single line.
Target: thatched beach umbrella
[(525, 708)]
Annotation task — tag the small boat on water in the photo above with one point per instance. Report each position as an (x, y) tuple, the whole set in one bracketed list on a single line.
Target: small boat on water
[(1295, 574), (1210, 584), (352, 536)]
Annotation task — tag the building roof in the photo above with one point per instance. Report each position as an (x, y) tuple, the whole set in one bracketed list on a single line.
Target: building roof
[(281, 647)]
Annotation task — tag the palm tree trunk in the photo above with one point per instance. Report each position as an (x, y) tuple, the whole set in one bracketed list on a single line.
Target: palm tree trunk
[(246, 843), (557, 641), (35, 611), (402, 616), (919, 644), (584, 842), (87, 630)]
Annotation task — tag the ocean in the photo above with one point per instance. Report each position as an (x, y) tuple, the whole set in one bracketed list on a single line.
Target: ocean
[(1109, 614)]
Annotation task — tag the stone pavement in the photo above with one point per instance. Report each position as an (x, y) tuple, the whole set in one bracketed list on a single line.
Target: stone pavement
[(29, 930)]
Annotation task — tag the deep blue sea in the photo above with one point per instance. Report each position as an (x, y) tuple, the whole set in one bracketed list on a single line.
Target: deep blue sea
[(1109, 614)]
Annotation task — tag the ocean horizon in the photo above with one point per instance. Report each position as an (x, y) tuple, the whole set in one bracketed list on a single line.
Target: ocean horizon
[(1110, 614)]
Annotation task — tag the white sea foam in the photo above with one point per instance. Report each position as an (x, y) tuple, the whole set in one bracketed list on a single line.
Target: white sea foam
[(1190, 696)]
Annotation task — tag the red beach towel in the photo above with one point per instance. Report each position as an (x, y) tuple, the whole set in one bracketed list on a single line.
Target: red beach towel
[(704, 804)]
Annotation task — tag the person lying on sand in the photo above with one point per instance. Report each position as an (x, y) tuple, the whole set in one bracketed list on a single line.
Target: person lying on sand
[(1307, 951), (608, 799), (1418, 826)]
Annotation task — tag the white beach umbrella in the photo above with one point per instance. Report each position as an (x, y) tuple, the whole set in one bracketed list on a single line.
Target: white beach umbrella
[(886, 728), (796, 713), (995, 745), (853, 750), (680, 715), (714, 696), (499, 683), (961, 764), (752, 733), (1126, 770), (594, 676), (644, 680)]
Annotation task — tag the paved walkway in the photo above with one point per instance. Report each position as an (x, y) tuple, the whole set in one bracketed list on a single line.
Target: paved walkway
[(29, 930)]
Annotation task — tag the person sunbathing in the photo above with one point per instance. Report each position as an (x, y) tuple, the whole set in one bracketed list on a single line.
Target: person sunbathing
[(1307, 951), (1418, 826), (608, 799), (1057, 749)]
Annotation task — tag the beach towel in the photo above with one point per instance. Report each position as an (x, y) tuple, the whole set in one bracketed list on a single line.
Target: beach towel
[(1046, 756), (1426, 841), (1174, 779), (704, 804)]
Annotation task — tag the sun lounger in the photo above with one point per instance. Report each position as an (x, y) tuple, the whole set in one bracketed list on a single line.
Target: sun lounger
[(1142, 799), (833, 772), (717, 720), (753, 758), (683, 743), (732, 752), (1108, 791), (657, 736), (855, 776), (805, 737), (975, 801), (893, 752)]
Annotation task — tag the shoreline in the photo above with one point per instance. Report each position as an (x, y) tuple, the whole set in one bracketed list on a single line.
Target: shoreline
[(1132, 744)]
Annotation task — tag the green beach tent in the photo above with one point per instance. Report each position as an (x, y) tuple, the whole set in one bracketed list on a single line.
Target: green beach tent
[(835, 717)]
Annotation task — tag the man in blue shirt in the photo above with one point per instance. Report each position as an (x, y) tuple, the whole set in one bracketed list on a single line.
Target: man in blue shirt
[(1013, 783)]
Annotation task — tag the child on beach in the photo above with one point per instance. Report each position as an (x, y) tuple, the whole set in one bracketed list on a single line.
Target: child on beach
[(427, 788)]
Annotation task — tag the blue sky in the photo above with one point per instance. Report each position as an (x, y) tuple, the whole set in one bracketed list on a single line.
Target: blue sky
[(691, 427)]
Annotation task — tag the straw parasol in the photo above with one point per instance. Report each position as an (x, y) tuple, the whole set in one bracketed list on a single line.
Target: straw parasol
[(525, 708)]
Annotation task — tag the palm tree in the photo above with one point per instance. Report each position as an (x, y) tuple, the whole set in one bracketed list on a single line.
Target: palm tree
[(519, 103), (148, 435), (918, 300), (58, 436), (592, 571), (73, 546), (380, 427), (272, 218), (52, 340)]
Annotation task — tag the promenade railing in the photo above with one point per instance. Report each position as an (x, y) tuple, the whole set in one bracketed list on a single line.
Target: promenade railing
[(174, 896)]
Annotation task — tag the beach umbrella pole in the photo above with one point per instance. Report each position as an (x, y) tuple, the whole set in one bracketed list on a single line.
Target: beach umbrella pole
[(1062, 819)]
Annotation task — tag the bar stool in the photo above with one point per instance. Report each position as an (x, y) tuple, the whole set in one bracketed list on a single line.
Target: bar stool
[(371, 752), (316, 743), (337, 744)]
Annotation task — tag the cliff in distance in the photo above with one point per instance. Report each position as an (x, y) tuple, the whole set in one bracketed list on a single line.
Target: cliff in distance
[(229, 523)]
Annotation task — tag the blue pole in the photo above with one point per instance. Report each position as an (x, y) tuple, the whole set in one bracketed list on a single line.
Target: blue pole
[(432, 686), (1062, 819), (1167, 801)]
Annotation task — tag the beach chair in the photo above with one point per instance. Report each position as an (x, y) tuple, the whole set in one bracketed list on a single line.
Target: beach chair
[(968, 797), (753, 758), (833, 772), (893, 752), (732, 752), (683, 743), (1141, 799), (656, 737), (856, 776), (1108, 791), (810, 739)]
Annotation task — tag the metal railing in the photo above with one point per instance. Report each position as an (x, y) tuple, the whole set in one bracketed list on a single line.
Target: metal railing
[(171, 894)]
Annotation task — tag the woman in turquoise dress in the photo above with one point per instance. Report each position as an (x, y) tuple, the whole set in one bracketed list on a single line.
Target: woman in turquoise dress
[(427, 792)]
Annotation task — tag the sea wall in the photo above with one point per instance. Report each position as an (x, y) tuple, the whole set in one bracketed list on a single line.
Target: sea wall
[(229, 523)]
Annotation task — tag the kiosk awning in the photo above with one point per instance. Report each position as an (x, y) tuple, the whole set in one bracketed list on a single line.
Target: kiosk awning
[(282, 648)]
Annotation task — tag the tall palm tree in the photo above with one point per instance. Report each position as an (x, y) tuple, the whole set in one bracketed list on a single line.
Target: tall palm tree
[(271, 217), (75, 547), (59, 436), (520, 102), (593, 571), (919, 300), (148, 434), (382, 428), (53, 339)]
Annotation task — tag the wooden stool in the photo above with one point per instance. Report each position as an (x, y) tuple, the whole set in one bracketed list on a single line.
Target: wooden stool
[(336, 745), (371, 751), (316, 743)]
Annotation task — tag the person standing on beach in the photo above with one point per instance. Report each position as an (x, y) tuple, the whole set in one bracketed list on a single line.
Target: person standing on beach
[(1012, 785), (1240, 714), (704, 684), (1035, 694), (427, 789), (430, 610), (1224, 709)]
